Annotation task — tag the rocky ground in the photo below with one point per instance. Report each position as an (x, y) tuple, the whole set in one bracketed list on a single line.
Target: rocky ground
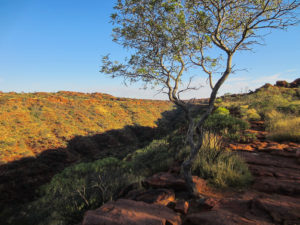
[(273, 198)]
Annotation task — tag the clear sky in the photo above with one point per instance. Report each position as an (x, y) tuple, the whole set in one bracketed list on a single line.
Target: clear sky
[(52, 45)]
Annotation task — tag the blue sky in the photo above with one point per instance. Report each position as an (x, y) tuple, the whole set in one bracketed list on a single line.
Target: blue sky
[(52, 45)]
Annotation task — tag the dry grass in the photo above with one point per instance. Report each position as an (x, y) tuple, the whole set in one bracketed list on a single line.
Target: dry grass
[(222, 168), (283, 127)]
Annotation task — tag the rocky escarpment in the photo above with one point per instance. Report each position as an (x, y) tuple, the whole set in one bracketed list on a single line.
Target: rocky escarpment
[(273, 198), (282, 84)]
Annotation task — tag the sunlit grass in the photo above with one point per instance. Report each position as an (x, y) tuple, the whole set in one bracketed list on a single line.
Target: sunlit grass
[(283, 127), (222, 168)]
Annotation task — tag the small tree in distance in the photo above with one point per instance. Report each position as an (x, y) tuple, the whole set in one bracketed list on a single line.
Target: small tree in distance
[(169, 38)]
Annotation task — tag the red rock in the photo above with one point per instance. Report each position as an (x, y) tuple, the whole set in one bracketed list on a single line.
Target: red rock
[(298, 156), (295, 83), (277, 185), (219, 217), (244, 147), (182, 207), (282, 83), (281, 209), (209, 203), (129, 212), (165, 180), (171, 181), (154, 196), (201, 184)]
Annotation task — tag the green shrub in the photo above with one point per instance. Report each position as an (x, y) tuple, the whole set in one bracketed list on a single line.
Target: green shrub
[(252, 115), (79, 188), (291, 109), (221, 168), (222, 111), (154, 158), (220, 123)]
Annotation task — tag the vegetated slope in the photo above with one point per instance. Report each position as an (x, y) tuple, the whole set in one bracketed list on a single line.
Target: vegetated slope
[(33, 122), (59, 201), (278, 106)]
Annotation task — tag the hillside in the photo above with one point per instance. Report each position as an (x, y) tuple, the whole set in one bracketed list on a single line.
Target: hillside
[(33, 122), (247, 169)]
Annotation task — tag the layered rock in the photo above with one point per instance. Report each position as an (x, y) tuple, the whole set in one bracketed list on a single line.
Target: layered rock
[(129, 212)]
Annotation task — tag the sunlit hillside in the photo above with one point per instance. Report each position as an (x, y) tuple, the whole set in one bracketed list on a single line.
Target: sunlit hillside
[(33, 122)]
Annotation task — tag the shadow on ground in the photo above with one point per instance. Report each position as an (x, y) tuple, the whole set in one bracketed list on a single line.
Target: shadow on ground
[(19, 180)]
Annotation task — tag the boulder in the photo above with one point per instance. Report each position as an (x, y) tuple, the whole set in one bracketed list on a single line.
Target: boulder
[(207, 203), (295, 83), (182, 207), (282, 83), (129, 212)]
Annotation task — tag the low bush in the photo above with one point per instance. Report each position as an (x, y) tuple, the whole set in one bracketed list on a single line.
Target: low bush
[(222, 168), (223, 124), (251, 115), (222, 111), (291, 109), (156, 157), (79, 188)]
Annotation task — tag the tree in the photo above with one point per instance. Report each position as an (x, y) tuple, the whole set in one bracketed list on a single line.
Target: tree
[(169, 38)]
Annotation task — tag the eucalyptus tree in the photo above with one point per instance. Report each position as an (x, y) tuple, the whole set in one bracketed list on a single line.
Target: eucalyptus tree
[(170, 38)]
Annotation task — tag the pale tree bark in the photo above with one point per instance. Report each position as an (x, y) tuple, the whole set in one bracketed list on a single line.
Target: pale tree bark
[(197, 130)]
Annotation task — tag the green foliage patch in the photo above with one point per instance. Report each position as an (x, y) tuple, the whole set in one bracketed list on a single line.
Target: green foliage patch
[(79, 188), (222, 168)]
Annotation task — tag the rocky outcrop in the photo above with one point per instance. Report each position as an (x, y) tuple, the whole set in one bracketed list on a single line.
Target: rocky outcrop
[(282, 83), (295, 83), (273, 197), (129, 212)]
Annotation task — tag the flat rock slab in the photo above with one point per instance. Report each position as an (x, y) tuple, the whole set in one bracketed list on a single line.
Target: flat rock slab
[(174, 182), (129, 212), (220, 217), (154, 196)]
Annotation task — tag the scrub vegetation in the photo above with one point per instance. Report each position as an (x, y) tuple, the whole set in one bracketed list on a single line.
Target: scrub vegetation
[(31, 123)]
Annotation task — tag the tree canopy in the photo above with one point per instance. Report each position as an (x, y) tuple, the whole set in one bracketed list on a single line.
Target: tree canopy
[(168, 38)]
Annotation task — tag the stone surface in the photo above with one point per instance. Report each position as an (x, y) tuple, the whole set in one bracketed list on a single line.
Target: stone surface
[(129, 212), (172, 181), (182, 207), (273, 198), (155, 196), (281, 209), (165, 180), (220, 217), (282, 83), (295, 83), (207, 203)]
